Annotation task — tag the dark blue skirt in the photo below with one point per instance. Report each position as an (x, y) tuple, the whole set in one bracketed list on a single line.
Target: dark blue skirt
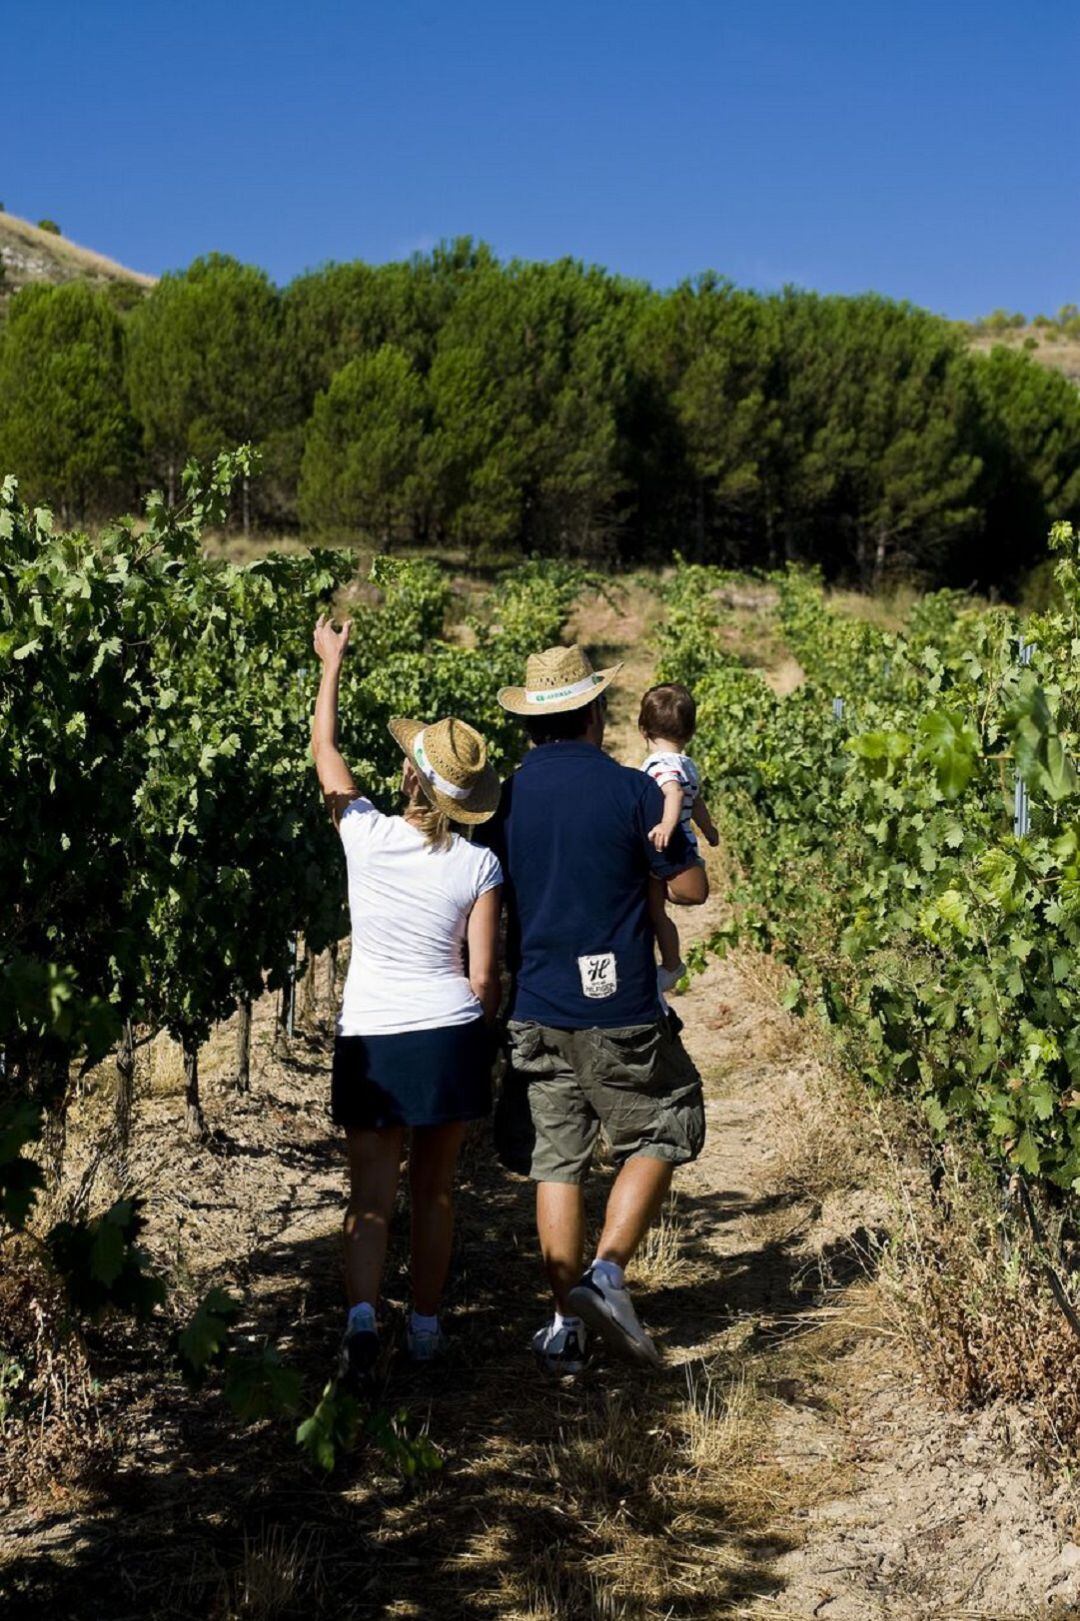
[(414, 1078)]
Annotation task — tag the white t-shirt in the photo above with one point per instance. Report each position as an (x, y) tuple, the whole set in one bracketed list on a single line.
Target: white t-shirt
[(409, 906), (663, 767)]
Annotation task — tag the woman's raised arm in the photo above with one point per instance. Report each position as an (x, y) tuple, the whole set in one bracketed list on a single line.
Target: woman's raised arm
[(335, 778)]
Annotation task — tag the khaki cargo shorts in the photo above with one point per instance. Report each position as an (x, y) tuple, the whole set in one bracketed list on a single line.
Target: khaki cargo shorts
[(562, 1086)]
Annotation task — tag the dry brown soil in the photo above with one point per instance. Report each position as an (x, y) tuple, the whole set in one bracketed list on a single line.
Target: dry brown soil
[(788, 1462)]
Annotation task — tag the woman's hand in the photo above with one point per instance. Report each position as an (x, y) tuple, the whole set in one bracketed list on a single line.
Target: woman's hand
[(336, 779), (330, 644)]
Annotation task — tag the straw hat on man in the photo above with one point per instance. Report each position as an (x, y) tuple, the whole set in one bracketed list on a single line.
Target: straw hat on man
[(557, 681)]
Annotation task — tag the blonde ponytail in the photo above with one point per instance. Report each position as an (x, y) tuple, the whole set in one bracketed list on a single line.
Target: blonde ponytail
[(431, 822)]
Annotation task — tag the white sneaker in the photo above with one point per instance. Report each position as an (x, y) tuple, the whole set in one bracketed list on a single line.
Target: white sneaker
[(424, 1345), (560, 1350), (668, 978), (611, 1313)]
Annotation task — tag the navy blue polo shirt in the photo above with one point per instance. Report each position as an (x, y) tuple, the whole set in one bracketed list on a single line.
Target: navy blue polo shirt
[(571, 833)]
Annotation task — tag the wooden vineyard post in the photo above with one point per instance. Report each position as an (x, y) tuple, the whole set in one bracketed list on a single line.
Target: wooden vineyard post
[(290, 1028), (243, 1045), (288, 990), (54, 1144), (308, 1008), (125, 1094), (332, 959), (193, 1120), (1021, 802), (55, 1064)]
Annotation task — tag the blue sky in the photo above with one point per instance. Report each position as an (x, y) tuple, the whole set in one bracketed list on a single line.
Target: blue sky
[(927, 151)]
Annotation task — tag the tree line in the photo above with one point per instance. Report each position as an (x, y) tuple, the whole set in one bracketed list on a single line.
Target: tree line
[(452, 399)]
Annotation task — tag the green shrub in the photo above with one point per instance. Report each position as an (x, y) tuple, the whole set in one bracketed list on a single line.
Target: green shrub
[(49, 225)]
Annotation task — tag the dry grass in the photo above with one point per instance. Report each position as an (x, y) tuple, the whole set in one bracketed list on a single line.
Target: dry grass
[(968, 1287), (1048, 347), (956, 1275), (50, 1427), (885, 610), (661, 1261), (68, 256), (278, 1571), (819, 1143), (672, 1499), (722, 1420)]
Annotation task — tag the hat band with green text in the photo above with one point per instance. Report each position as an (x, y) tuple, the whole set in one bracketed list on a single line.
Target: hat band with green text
[(436, 779), (555, 695)]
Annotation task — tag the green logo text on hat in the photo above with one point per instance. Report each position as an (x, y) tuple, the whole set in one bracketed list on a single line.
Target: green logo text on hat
[(558, 680)]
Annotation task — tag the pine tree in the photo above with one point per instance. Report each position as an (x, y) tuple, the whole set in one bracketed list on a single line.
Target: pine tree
[(526, 387), (362, 470), (205, 364), (65, 427)]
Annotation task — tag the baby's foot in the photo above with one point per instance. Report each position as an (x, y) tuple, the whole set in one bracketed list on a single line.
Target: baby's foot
[(668, 978)]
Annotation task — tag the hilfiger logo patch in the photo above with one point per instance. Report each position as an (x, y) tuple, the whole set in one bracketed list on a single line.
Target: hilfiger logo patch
[(599, 976)]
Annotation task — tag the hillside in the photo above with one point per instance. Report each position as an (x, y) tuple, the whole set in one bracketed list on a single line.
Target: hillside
[(29, 254), (1047, 345)]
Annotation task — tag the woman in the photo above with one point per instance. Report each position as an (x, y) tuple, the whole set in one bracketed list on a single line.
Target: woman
[(412, 1050)]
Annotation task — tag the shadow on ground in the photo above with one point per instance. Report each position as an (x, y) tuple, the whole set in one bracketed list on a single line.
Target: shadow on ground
[(545, 1487)]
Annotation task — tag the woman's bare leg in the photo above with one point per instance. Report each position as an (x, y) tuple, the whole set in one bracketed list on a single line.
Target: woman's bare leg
[(374, 1167), (432, 1163)]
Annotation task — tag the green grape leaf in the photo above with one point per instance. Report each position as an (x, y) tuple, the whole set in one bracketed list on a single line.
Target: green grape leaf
[(331, 1428), (261, 1386), (949, 744), (205, 1338)]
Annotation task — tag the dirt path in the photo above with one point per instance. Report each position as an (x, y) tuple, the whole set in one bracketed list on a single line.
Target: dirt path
[(901, 1507), (896, 1506), (786, 1463)]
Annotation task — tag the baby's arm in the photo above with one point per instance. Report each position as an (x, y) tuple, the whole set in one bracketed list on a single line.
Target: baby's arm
[(700, 814), (665, 827)]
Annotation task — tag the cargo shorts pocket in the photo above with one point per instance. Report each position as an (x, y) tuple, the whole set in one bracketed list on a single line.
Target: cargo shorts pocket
[(648, 1094), (525, 1047), (515, 1133), (626, 1060)]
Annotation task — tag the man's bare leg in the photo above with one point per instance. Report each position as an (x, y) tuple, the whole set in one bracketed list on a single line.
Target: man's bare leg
[(601, 1299), (633, 1205), (560, 1223)]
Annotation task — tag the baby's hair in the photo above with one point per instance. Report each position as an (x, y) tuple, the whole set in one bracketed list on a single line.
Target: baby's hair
[(668, 711)]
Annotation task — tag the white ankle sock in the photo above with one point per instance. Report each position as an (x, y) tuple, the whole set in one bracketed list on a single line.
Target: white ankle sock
[(419, 1324), (610, 1272), (565, 1322), (361, 1319)]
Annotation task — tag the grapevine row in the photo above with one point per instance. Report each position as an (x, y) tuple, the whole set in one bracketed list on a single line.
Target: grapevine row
[(162, 839), (876, 850)]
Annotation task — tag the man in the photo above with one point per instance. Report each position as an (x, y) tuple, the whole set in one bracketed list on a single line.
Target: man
[(590, 1043)]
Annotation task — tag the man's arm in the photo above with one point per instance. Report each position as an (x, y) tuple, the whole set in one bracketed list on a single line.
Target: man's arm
[(685, 886), (335, 778)]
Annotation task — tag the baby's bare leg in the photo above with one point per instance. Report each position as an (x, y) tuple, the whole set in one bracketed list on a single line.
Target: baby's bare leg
[(667, 935)]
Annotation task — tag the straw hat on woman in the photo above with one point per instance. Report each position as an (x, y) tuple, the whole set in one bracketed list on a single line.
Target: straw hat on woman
[(413, 1049)]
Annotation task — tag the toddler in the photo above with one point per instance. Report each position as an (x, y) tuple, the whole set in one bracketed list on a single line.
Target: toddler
[(666, 722)]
